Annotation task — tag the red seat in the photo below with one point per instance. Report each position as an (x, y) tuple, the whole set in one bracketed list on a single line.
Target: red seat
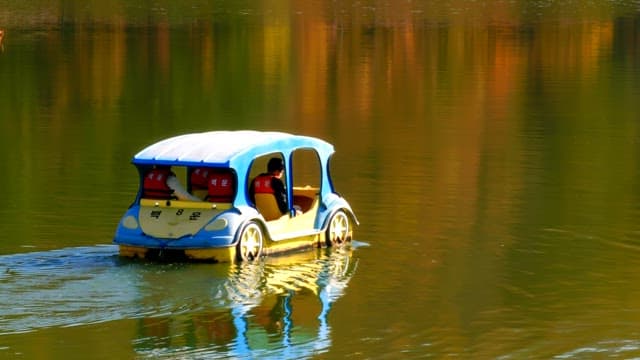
[(155, 184), (199, 178), (221, 187)]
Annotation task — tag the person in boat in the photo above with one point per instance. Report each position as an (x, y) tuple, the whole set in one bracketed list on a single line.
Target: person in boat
[(271, 183), (161, 183)]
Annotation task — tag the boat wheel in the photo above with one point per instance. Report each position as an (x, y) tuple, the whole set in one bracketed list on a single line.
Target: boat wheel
[(250, 242), (338, 231)]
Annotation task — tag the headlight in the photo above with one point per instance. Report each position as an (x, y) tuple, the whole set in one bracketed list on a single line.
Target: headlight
[(217, 225), (130, 222)]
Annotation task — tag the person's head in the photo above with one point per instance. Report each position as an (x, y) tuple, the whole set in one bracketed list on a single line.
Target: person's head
[(275, 166)]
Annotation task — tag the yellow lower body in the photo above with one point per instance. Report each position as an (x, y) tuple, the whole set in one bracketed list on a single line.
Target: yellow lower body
[(228, 254), (216, 255)]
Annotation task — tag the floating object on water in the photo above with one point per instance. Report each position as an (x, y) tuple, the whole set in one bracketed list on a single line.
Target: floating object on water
[(224, 224)]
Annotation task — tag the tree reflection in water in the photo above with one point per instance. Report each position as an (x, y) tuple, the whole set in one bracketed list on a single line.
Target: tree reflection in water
[(274, 308)]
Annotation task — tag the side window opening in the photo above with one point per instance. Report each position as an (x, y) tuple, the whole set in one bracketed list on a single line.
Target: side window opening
[(306, 179), (306, 168)]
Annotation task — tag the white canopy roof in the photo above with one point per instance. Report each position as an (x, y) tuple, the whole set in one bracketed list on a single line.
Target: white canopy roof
[(223, 148)]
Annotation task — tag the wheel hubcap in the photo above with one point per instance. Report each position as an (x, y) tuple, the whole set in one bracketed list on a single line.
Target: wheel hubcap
[(251, 243), (339, 228)]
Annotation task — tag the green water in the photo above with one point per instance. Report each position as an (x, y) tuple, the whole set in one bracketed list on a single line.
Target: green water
[(489, 148)]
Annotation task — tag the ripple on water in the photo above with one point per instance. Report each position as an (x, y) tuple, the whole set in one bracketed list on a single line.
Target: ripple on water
[(87, 285)]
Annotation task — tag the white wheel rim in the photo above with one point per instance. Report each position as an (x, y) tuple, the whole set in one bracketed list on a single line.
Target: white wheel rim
[(339, 228), (251, 242)]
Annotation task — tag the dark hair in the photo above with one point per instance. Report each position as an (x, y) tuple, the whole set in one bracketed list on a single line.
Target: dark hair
[(275, 164)]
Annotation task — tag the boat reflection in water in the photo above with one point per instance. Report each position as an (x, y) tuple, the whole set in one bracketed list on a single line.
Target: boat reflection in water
[(272, 308), (276, 308)]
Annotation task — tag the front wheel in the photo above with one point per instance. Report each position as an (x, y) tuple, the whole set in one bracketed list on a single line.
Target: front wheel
[(250, 242), (338, 231)]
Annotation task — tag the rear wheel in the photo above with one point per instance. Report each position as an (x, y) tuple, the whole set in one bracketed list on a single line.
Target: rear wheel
[(338, 231), (250, 242)]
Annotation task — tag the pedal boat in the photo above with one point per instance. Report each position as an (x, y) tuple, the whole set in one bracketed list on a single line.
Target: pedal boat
[(235, 228)]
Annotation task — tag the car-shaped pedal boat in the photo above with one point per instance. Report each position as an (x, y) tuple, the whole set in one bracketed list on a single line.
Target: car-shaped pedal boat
[(216, 214)]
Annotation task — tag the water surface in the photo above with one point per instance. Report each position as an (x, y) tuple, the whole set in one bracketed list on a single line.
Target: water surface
[(489, 148)]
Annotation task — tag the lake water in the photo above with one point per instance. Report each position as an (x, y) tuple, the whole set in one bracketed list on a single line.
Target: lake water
[(491, 150)]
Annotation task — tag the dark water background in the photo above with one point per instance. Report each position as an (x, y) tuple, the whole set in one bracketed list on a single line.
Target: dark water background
[(490, 149)]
